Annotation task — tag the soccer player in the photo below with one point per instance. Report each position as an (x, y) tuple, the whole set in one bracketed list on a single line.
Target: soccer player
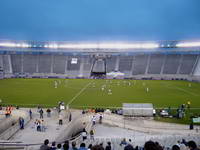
[(188, 104), (55, 84), (109, 91)]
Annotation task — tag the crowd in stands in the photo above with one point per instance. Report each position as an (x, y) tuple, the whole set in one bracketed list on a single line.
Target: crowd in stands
[(126, 145)]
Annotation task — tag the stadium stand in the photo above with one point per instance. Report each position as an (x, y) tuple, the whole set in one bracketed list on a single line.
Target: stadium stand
[(125, 64), (187, 64), (87, 63), (155, 63), (171, 64), (99, 66), (30, 63), (59, 64), (41, 59), (111, 63), (16, 63), (44, 64), (73, 66), (139, 64), (197, 67), (7, 67), (1, 61), (83, 65), (166, 138)]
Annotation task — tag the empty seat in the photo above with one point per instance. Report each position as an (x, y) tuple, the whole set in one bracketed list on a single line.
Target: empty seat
[(30, 63), (59, 64), (139, 64), (155, 64), (16, 63), (187, 64), (45, 63), (171, 64)]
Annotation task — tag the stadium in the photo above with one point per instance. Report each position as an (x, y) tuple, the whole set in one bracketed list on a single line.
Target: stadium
[(98, 94)]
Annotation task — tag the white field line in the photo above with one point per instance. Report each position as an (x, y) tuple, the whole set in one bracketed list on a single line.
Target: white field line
[(180, 89), (78, 94)]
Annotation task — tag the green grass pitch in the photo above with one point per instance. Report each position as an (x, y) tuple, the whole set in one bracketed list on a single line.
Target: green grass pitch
[(98, 93)]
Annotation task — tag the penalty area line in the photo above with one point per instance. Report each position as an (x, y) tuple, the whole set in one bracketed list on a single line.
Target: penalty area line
[(81, 91)]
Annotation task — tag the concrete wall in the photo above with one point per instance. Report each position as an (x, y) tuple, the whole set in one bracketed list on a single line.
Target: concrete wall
[(75, 126), (10, 125)]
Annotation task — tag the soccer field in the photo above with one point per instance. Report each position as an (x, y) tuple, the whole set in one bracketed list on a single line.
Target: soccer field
[(98, 93)]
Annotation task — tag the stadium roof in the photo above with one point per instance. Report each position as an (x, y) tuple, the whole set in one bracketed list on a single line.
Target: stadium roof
[(99, 47), (100, 20)]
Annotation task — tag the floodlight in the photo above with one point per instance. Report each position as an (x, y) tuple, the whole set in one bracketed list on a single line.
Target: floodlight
[(116, 45), (8, 44), (188, 44), (108, 46), (23, 45), (53, 46)]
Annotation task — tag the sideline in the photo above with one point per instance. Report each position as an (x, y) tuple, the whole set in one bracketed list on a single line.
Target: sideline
[(81, 91), (180, 89)]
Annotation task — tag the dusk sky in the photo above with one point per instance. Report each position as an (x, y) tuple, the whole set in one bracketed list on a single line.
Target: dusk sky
[(100, 20)]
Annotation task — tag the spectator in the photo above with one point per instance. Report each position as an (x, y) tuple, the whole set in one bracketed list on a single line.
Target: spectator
[(74, 146), (108, 146), (59, 147), (192, 145), (90, 147), (30, 114), (101, 144), (184, 141), (149, 145), (191, 126), (100, 118), (175, 147), (92, 134), (41, 113), (97, 147), (42, 126), (82, 147), (21, 123), (123, 142), (53, 146), (70, 117), (84, 134), (129, 146), (136, 148), (60, 119), (159, 146), (178, 143), (45, 145), (48, 112), (66, 145), (38, 124), (83, 111), (93, 120)]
